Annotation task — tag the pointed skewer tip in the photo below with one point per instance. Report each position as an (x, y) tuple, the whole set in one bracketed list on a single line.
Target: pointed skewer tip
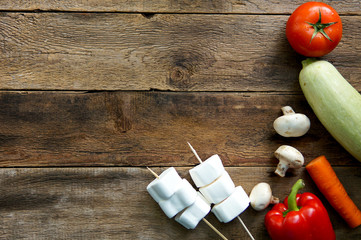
[(195, 153), (155, 175)]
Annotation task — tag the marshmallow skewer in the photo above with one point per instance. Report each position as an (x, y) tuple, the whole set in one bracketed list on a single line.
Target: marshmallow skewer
[(239, 218), (204, 220)]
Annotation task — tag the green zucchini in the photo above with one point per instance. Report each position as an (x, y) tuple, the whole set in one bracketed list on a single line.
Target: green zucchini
[(334, 101)]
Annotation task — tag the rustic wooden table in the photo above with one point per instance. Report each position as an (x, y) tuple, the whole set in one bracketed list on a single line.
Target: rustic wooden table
[(92, 92)]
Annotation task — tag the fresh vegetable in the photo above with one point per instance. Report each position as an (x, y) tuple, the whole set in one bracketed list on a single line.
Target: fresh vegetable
[(261, 196), (300, 217), (291, 124), (314, 29), (331, 187), (289, 157), (334, 101)]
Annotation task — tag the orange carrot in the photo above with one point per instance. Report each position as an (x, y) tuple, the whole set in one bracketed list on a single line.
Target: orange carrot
[(328, 183)]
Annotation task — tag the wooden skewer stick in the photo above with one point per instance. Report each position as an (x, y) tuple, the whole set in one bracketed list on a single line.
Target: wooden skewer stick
[(214, 229), (155, 175), (195, 153), (244, 225), (204, 220), (239, 218)]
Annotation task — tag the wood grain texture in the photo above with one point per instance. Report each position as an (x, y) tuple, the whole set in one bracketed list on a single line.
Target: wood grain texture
[(72, 161), (152, 129), (196, 52), (174, 6), (112, 203)]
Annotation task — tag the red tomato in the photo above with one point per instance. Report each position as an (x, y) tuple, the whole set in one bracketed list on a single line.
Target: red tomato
[(314, 29)]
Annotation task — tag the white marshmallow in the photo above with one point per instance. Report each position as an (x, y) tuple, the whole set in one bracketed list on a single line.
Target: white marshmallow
[(231, 207), (206, 172), (164, 187), (193, 214), (184, 196), (218, 190)]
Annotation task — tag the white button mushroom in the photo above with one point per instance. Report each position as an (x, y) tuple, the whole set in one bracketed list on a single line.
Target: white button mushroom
[(261, 196), (289, 157), (291, 124)]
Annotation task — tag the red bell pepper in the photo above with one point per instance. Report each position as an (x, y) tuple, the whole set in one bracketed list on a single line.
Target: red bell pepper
[(300, 216)]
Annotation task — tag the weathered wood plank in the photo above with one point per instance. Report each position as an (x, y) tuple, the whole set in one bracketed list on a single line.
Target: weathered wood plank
[(95, 51), (179, 6), (152, 128), (112, 203)]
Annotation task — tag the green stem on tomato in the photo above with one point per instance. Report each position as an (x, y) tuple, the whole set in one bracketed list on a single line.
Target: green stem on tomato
[(319, 27)]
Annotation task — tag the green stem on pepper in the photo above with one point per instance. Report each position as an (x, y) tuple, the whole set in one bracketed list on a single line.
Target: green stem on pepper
[(291, 201)]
